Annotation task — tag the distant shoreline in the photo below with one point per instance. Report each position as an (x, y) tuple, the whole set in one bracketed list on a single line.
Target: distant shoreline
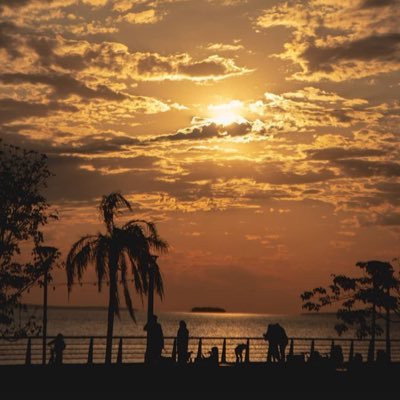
[(208, 310)]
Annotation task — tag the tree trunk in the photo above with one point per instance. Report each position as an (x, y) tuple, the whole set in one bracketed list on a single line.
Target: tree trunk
[(388, 344), (111, 312), (150, 299)]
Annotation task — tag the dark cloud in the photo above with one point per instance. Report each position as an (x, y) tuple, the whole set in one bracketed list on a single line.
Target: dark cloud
[(14, 3), (179, 65), (64, 85), (8, 40), (375, 47), (388, 219), (141, 162), (267, 172), (293, 178), (378, 3), (45, 48), (203, 68), (72, 181), (11, 109), (335, 153), (341, 116), (365, 168), (387, 191), (153, 64), (211, 130), (100, 143)]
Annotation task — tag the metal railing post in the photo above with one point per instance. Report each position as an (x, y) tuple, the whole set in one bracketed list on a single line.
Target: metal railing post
[(351, 351), (28, 355), (90, 352), (247, 356), (199, 351), (173, 355), (119, 355), (223, 354)]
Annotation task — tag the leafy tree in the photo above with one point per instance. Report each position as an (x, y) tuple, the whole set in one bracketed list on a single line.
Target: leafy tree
[(361, 299), (23, 212), (113, 254)]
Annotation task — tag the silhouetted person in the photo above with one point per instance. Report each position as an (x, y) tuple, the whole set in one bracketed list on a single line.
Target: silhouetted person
[(336, 356), (182, 343), (239, 349), (277, 342), (357, 361), (213, 359), (273, 343), (282, 339), (155, 341), (57, 350)]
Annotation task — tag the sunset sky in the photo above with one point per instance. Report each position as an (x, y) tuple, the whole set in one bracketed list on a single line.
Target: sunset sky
[(262, 136)]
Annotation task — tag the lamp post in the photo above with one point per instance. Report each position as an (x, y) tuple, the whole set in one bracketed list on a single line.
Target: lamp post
[(47, 256), (44, 339)]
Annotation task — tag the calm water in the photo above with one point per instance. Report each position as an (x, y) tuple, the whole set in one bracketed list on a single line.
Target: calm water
[(93, 321)]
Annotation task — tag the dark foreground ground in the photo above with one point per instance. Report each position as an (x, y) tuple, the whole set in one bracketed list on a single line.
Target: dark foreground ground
[(139, 378)]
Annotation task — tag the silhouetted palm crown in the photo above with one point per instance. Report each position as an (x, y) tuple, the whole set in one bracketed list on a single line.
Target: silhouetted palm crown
[(117, 251)]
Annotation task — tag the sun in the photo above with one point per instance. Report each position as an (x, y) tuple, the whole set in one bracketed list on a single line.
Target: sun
[(226, 114), (225, 118)]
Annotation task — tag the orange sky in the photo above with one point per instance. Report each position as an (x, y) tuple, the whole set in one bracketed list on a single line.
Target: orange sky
[(262, 136)]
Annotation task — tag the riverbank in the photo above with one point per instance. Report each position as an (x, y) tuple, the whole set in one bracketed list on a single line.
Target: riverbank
[(247, 378)]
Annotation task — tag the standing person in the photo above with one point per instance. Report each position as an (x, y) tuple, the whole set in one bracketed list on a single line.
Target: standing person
[(155, 341), (282, 339), (57, 349), (182, 343), (271, 337)]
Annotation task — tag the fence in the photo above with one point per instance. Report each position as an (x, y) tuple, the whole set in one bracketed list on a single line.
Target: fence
[(131, 349)]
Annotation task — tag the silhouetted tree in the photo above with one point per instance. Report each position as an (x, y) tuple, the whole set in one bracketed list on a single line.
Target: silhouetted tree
[(23, 211), (360, 299), (113, 253)]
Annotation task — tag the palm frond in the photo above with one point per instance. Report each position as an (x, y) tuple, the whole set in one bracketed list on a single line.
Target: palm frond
[(148, 230), (137, 281), (80, 255), (151, 233), (47, 256), (128, 300), (158, 244), (109, 207), (102, 259), (158, 281)]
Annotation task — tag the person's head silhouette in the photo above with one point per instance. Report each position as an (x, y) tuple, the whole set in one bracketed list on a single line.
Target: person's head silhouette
[(182, 324)]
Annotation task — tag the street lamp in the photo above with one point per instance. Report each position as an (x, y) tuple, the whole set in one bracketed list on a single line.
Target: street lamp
[(47, 256)]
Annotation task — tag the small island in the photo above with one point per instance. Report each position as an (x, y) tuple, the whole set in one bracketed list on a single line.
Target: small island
[(208, 310)]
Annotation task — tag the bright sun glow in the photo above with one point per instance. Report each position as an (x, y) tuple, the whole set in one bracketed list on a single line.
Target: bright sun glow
[(228, 113)]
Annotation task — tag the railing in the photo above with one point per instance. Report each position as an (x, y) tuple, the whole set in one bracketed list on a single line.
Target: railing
[(131, 349)]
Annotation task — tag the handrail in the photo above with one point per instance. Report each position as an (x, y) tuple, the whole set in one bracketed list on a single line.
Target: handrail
[(200, 337), (131, 348)]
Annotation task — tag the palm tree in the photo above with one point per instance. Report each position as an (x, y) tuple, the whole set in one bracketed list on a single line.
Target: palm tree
[(47, 258), (113, 253)]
